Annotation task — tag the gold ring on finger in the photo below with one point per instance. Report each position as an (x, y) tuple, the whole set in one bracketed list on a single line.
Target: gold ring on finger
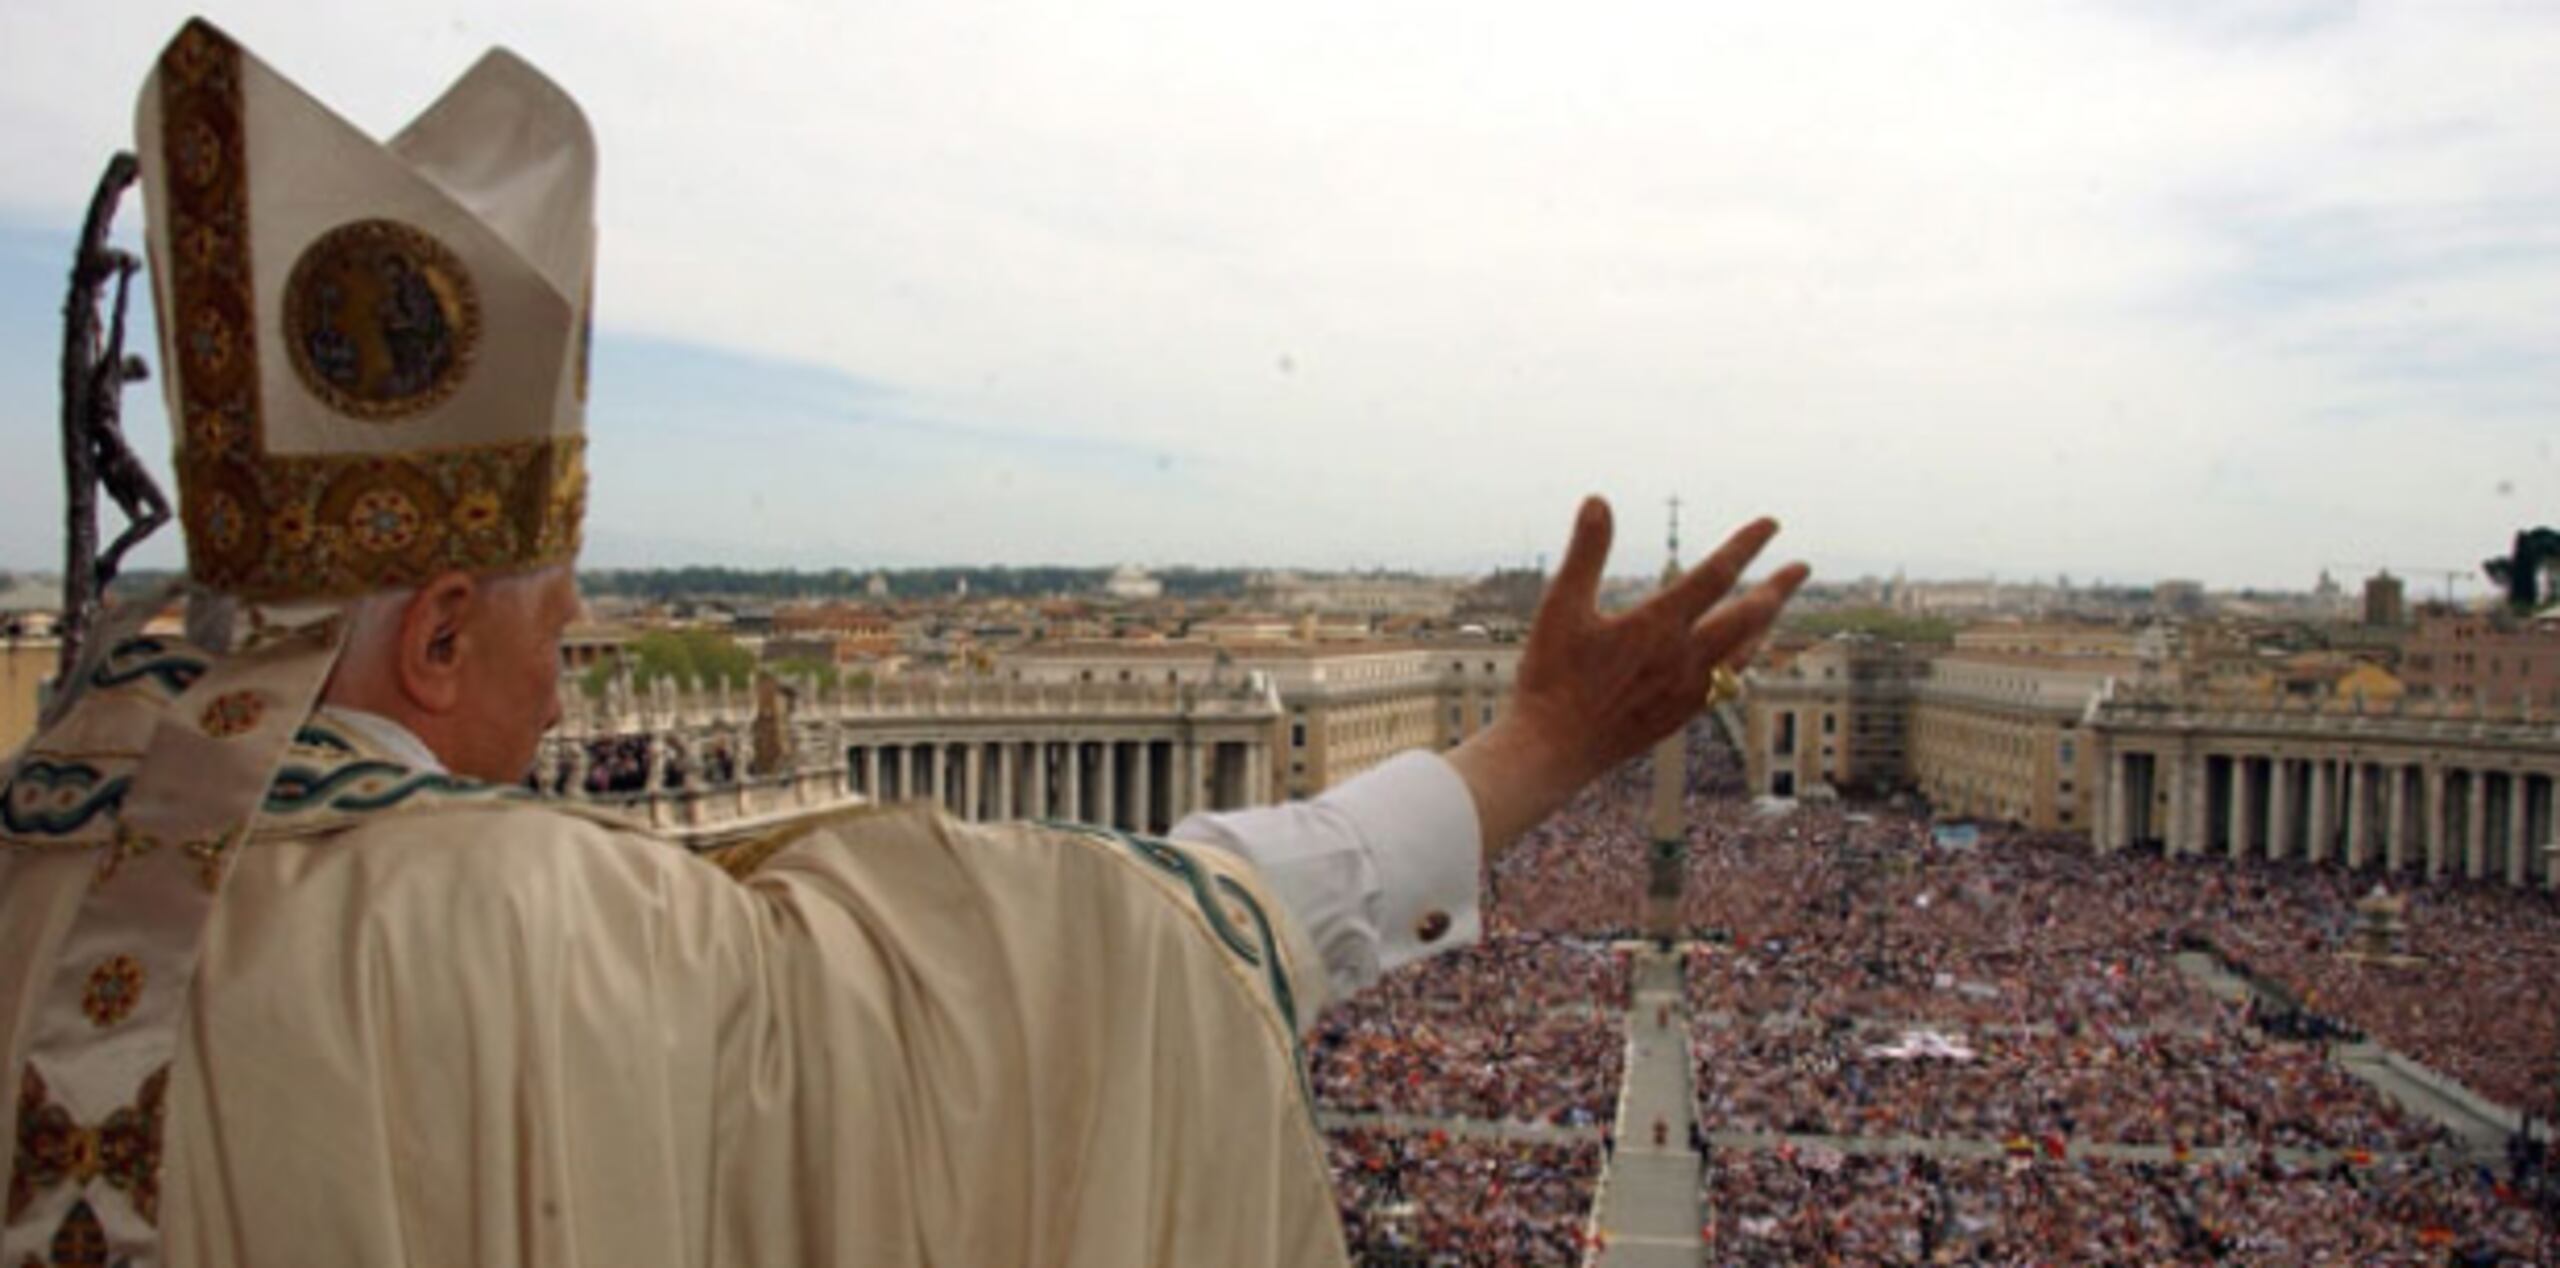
[(1722, 687)]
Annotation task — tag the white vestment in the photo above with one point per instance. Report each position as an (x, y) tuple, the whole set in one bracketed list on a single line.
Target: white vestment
[(437, 1023)]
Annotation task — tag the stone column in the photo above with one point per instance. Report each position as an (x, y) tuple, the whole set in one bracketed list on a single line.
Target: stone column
[(1257, 773), (2395, 846), (2322, 817), (2434, 813), (1107, 786), (2119, 793), (2239, 807), (973, 785), (2279, 807), (871, 771), (1031, 769), (1142, 809), (1073, 784), (2356, 816), (2519, 822), (2175, 840), (1005, 776), (1035, 803), (2550, 829), (2475, 831), (1195, 776)]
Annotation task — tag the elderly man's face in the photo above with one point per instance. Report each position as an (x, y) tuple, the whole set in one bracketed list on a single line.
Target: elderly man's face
[(513, 678)]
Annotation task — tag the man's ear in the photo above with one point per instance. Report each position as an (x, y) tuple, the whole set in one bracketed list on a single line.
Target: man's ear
[(435, 632)]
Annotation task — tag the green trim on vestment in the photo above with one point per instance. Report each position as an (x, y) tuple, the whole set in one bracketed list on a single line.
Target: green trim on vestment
[(1175, 860)]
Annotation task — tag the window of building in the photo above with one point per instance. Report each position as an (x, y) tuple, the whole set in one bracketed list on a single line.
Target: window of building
[(1830, 724), (1298, 734)]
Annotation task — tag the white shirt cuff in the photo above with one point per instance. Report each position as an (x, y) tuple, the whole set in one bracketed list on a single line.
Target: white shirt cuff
[(1379, 872)]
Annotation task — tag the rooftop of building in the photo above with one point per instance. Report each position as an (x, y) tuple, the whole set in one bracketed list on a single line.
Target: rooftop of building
[(2042, 660), (30, 592), (1196, 649)]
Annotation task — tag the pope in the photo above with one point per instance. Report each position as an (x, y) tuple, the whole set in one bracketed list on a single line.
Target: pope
[(295, 970)]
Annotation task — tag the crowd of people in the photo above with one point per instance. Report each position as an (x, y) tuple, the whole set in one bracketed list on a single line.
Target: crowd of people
[(615, 764), (1856, 977), (2470, 998), (1822, 1207), (1429, 1198), (619, 765), (1513, 974), (1514, 1063), (2215, 1088)]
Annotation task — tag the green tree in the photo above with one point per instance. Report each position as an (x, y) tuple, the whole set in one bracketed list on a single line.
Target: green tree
[(1882, 623)]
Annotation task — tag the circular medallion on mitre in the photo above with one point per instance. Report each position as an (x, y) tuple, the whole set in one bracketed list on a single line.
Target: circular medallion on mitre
[(380, 319)]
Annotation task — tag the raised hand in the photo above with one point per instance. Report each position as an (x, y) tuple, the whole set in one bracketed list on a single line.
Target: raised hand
[(1595, 689)]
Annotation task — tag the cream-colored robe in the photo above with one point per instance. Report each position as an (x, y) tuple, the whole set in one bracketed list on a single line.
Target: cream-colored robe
[(452, 1027)]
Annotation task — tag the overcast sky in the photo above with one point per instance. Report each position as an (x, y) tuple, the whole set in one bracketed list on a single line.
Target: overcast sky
[(2215, 289)]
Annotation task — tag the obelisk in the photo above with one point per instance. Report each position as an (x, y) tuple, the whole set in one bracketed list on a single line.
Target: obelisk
[(1669, 858)]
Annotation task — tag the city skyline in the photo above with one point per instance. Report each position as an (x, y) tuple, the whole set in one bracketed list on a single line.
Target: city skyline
[(2228, 292)]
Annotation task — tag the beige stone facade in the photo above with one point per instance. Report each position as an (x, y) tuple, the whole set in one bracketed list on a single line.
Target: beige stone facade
[(584, 645), (1368, 595), (2017, 638), (2324, 763), (1985, 732), (1838, 714), (1344, 707), (2417, 787), (1998, 736)]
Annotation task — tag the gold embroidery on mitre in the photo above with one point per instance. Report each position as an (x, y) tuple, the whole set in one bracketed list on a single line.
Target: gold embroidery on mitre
[(113, 991), (298, 527), (380, 319)]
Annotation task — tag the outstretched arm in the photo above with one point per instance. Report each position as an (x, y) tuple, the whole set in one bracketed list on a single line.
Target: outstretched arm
[(1384, 869)]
